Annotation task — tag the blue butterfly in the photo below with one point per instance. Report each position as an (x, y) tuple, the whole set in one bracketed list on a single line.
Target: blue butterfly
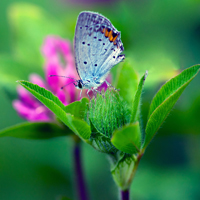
[(97, 47)]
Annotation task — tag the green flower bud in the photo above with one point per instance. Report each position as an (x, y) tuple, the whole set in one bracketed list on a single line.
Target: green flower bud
[(106, 113)]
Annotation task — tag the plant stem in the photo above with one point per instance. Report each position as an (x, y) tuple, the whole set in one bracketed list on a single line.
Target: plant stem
[(125, 194), (80, 182), (135, 167)]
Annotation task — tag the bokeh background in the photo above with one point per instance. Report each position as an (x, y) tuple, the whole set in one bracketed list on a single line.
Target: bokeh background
[(162, 37)]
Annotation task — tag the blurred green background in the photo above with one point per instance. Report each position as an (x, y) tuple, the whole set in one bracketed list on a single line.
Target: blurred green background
[(162, 37)]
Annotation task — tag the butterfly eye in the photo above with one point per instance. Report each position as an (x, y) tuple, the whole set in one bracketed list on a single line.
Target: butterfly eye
[(80, 84)]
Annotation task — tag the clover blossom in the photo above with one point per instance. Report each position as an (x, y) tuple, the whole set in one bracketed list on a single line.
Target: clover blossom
[(28, 107), (58, 61)]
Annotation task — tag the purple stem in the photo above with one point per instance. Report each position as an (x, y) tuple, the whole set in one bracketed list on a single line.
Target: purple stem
[(125, 195), (80, 182)]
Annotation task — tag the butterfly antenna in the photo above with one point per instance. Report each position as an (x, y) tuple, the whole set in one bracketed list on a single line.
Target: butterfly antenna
[(67, 84), (63, 76)]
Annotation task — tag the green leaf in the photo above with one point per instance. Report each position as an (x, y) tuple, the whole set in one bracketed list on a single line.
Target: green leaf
[(82, 128), (93, 128), (126, 81), (77, 108), (136, 103), (128, 138), (79, 127), (165, 99), (38, 130), (123, 171), (100, 142)]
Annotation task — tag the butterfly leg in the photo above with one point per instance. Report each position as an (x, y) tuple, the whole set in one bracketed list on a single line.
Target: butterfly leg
[(93, 92), (109, 85), (98, 92), (88, 94), (81, 93)]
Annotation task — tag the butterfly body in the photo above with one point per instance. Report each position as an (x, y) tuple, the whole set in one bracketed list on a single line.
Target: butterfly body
[(97, 47), (88, 84)]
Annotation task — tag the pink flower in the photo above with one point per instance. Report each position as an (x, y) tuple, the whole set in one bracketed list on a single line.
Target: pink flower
[(59, 61), (28, 107)]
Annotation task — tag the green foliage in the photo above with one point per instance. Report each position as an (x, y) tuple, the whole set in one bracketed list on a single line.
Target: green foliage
[(77, 108), (102, 143), (122, 172), (128, 138), (149, 43), (165, 99), (39, 130), (108, 112), (126, 81), (78, 126), (114, 128), (136, 103)]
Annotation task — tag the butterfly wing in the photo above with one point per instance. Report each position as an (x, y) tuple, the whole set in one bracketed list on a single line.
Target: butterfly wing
[(97, 46)]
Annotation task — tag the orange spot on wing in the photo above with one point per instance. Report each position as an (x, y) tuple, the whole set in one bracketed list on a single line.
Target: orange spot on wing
[(106, 33), (115, 38), (103, 31), (110, 36)]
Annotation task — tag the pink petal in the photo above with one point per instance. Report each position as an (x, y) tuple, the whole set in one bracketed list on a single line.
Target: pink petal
[(48, 47), (30, 114), (104, 85), (65, 48), (62, 96), (55, 46), (36, 79), (109, 78), (71, 89), (26, 97), (52, 47), (53, 82)]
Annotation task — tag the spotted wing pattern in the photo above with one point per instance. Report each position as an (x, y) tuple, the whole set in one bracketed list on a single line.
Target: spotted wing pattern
[(97, 46)]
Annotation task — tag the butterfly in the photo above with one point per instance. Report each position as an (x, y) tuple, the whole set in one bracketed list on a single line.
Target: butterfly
[(97, 48)]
